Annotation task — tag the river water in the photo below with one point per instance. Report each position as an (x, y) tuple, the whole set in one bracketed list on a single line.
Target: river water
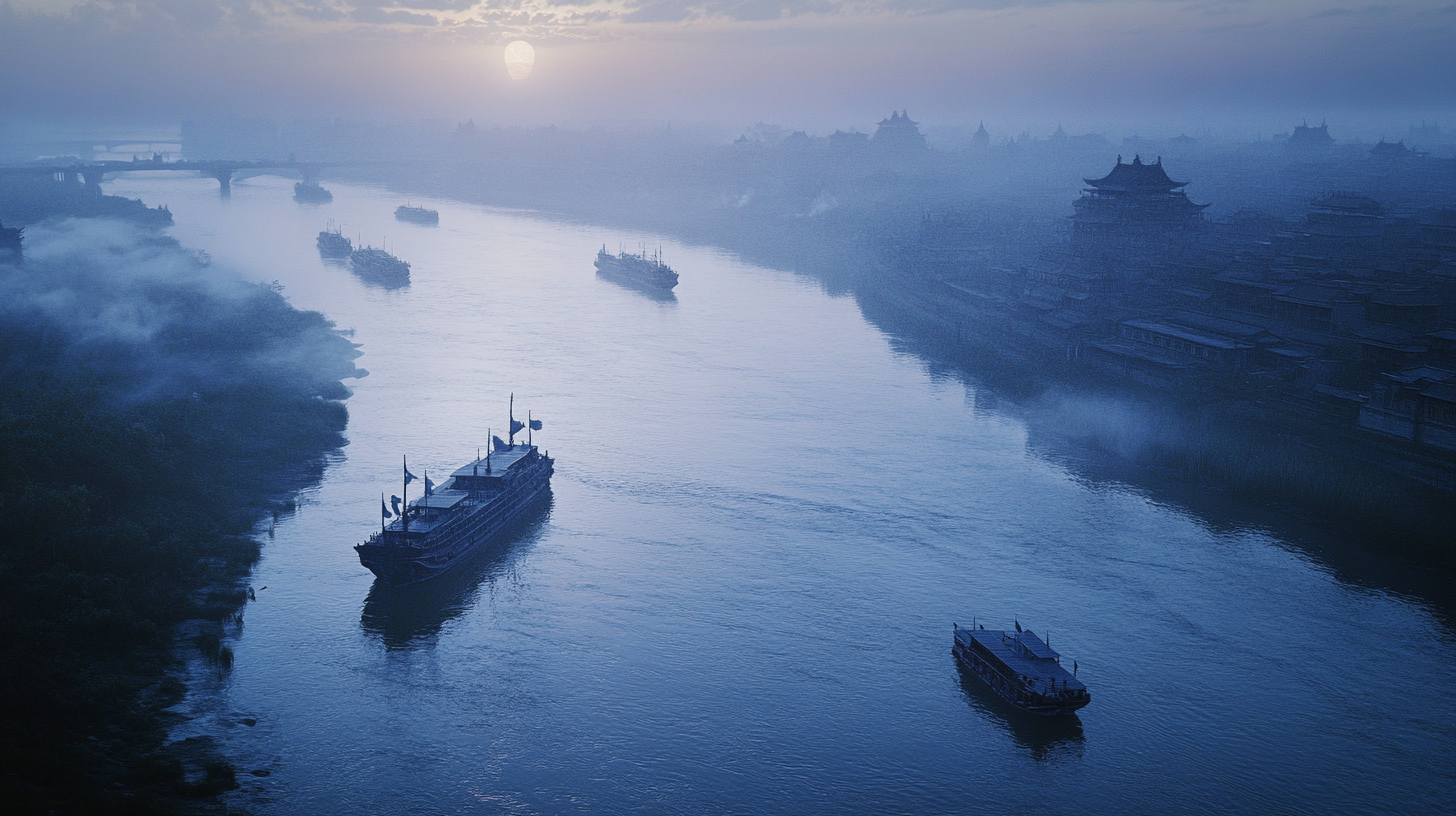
[(764, 522)]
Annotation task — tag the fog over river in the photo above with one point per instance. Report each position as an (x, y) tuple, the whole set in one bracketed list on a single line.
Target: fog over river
[(764, 522)]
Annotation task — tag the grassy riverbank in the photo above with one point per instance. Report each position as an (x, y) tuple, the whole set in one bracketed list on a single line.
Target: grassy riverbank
[(153, 410)]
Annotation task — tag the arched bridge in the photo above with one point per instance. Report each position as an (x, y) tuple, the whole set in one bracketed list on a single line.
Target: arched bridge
[(92, 172)]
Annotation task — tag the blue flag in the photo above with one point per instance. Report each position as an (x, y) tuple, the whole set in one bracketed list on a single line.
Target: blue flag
[(394, 502), (535, 424), (409, 477), (383, 508), (429, 486)]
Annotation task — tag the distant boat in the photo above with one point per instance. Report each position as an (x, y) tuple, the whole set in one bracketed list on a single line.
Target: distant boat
[(1021, 668), (333, 244), (643, 270), (309, 192), (379, 267), (417, 215)]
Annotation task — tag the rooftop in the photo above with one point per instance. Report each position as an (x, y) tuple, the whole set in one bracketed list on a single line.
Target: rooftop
[(1024, 653), (1136, 177)]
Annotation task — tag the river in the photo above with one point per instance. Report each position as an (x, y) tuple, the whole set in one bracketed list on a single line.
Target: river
[(764, 521)]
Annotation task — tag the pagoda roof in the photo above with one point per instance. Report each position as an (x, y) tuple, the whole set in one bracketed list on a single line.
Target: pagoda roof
[(1136, 177), (898, 119)]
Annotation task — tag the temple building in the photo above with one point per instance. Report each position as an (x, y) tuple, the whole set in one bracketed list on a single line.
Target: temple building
[(899, 133), (1135, 202), (1310, 139)]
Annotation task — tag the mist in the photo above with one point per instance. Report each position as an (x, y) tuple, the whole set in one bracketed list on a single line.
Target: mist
[(132, 310), (849, 323), (1229, 68)]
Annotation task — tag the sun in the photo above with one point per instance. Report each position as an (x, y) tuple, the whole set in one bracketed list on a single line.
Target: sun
[(520, 58)]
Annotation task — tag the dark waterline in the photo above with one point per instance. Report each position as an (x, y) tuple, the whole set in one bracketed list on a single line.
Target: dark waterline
[(764, 521)]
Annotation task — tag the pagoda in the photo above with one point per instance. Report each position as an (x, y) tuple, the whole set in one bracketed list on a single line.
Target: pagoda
[(899, 133), (1307, 139), (1135, 201)]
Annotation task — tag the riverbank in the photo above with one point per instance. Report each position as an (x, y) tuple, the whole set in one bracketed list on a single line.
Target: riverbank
[(154, 410)]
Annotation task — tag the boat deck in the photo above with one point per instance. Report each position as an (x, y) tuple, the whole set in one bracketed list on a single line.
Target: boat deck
[(500, 462), (1025, 654)]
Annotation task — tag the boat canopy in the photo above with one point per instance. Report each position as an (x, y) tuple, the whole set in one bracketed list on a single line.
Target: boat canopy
[(441, 499), (1034, 645)]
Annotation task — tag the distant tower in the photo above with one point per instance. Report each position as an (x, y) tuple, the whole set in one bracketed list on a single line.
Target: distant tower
[(899, 133), (982, 138)]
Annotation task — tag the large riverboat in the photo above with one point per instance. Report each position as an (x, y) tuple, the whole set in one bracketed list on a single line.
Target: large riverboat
[(379, 267), (334, 244), (466, 514), (1021, 668), (647, 271)]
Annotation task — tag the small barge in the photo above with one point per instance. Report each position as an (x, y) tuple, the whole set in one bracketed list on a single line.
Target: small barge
[(1021, 668), (309, 192), (418, 215)]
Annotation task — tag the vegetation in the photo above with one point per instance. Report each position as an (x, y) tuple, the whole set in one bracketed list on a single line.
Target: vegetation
[(129, 499)]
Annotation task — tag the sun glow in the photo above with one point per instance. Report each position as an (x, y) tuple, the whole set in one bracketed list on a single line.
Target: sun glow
[(520, 59)]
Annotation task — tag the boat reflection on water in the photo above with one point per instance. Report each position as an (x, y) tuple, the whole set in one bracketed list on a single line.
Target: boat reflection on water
[(409, 616), (1043, 738)]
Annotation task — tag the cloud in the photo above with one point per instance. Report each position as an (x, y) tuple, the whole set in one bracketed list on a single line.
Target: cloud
[(679, 58)]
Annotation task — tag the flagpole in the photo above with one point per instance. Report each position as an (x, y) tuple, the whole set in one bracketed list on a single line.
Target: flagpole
[(528, 427), (381, 514), (404, 500)]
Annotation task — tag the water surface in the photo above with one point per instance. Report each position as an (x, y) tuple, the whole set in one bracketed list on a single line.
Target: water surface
[(764, 522)]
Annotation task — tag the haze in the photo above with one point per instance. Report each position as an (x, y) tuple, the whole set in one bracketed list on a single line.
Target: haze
[(1228, 68)]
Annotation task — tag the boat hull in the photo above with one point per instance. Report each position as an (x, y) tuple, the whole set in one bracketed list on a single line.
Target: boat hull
[(636, 272)]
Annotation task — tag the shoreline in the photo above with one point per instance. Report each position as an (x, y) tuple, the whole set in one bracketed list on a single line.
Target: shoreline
[(129, 559)]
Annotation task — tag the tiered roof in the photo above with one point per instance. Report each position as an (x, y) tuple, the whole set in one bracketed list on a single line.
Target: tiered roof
[(1136, 178)]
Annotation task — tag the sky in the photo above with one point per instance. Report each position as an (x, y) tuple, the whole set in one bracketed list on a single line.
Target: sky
[(818, 65)]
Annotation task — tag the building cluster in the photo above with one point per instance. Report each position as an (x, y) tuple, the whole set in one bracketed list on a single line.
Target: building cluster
[(1349, 312)]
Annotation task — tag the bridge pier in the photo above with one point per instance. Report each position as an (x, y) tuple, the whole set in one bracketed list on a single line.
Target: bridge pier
[(92, 177), (224, 176)]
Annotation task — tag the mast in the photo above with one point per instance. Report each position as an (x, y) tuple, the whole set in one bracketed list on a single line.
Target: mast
[(404, 498), (489, 443), (511, 437), (528, 427)]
